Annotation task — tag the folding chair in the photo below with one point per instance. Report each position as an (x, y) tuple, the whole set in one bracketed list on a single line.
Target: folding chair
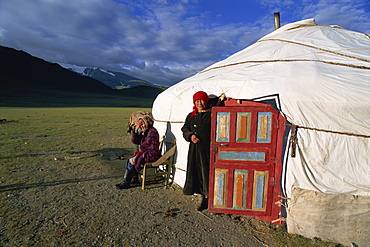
[(160, 167)]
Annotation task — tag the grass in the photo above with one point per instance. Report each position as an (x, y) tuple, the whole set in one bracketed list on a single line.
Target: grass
[(34, 140), (30, 137), (46, 98)]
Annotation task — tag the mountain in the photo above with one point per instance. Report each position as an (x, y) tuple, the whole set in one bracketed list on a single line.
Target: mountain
[(113, 79), (142, 91), (26, 80), (22, 72)]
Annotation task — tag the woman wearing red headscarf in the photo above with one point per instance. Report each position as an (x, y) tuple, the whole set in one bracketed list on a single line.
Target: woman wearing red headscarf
[(196, 130)]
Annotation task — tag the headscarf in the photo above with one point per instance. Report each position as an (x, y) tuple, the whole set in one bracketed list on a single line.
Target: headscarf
[(147, 121), (199, 95)]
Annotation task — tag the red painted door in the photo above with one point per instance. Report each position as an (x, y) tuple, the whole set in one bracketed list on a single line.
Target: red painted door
[(245, 166)]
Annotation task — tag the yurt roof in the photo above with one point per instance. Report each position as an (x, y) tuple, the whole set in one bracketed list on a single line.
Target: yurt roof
[(319, 76)]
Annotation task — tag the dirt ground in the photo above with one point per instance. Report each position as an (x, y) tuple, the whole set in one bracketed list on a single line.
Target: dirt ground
[(69, 203), (59, 209), (58, 168)]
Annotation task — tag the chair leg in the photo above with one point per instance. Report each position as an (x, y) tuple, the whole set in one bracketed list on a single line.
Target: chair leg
[(143, 178)]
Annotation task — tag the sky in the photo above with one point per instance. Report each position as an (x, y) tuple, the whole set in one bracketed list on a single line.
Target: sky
[(160, 41)]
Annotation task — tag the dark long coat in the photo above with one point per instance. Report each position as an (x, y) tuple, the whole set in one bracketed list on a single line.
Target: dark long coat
[(199, 154)]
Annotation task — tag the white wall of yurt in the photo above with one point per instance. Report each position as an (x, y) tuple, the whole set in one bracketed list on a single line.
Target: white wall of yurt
[(319, 76)]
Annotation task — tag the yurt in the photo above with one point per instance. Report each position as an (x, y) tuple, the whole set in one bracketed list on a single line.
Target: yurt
[(290, 131)]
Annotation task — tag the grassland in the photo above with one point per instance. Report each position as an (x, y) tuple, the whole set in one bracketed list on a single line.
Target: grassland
[(57, 171), (55, 98)]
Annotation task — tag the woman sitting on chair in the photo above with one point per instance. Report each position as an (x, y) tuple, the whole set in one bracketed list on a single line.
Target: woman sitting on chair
[(147, 137)]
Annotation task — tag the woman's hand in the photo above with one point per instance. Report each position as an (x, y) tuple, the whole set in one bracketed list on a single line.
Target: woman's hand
[(140, 124), (194, 139), (143, 127), (132, 160)]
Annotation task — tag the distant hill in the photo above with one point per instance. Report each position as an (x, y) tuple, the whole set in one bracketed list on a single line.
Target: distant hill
[(142, 91), (113, 79), (28, 80), (21, 71)]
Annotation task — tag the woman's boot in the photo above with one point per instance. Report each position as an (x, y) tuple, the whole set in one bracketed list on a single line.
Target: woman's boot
[(201, 202), (125, 184), (135, 179)]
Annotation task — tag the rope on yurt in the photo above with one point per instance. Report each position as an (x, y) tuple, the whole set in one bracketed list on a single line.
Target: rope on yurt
[(167, 121), (285, 60), (329, 131), (314, 47), (297, 60)]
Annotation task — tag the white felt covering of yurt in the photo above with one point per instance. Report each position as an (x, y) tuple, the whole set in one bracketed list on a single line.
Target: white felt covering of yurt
[(320, 79)]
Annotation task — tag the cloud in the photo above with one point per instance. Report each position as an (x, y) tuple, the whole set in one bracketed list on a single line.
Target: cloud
[(349, 14), (161, 41), (111, 35)]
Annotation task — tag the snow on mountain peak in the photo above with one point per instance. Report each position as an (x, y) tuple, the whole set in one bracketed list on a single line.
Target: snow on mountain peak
[(106, 71)]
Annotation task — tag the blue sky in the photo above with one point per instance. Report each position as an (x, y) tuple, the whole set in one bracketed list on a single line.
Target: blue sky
[(161, 41)]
